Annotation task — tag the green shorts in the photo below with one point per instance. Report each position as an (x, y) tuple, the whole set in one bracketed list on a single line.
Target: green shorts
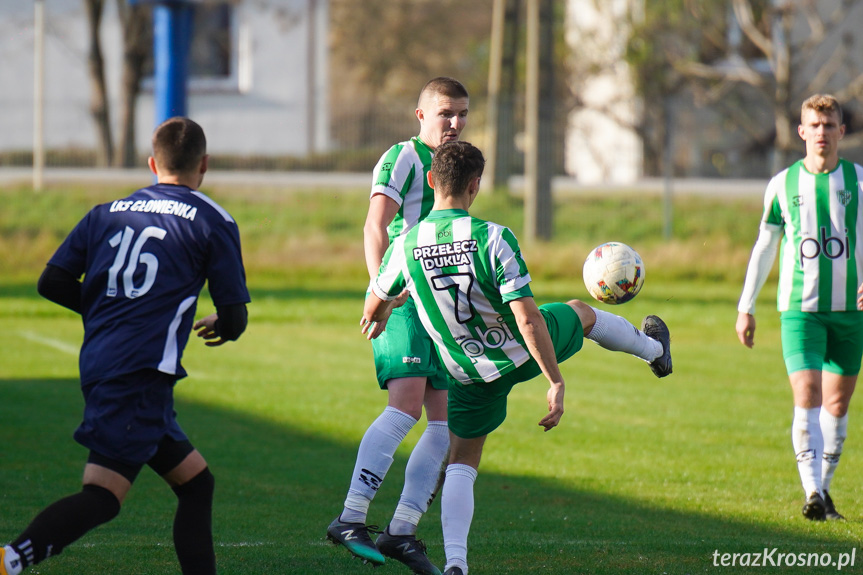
[(404, 349), (478, 409), (828, 341)]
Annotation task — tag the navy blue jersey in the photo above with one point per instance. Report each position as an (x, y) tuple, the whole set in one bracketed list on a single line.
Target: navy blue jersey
[(145, 259)]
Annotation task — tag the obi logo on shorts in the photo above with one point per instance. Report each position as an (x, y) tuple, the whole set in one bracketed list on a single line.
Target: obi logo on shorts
[(828, 246), (492, 338), (408, 359)]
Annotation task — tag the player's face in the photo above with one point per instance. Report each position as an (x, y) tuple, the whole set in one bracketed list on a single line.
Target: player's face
[(821, 131), (441, 119)]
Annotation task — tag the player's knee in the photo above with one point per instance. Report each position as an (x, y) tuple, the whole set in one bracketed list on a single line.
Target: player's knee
[(436, 406), (103, 502), (586, 314), (407, 394), (200, 487), (837, 409)]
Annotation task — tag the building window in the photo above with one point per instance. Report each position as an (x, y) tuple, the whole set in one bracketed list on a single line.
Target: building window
[(211, 51), (215, 62)]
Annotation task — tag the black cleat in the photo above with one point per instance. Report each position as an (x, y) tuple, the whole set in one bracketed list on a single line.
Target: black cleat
[(407, 549), (355, 536), (454, 571), (814, 509), (830, 509), (655, 328)]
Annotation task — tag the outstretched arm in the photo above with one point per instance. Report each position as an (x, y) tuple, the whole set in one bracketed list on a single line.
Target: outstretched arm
[(533, 329)]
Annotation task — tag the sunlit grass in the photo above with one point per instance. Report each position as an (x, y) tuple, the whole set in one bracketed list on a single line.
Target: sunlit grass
[(642, 476), (317, 234)]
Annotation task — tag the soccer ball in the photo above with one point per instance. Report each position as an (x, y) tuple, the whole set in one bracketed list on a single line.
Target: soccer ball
[(613, 273)]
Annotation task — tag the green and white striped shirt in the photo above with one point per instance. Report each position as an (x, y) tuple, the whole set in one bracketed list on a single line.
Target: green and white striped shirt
[(400, 174), (462, 272), (821, 257)]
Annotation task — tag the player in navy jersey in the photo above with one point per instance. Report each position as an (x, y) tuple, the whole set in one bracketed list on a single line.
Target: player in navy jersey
[(144, 260)]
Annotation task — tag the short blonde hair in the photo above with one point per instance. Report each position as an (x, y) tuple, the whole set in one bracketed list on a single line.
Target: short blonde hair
[(823, 104)]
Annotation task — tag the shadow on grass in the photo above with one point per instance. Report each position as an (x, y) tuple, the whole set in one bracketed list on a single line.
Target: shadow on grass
[(278, 488), (20, 289)]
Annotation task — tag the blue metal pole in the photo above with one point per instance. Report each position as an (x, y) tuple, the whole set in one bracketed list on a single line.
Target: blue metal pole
[(172, 27)]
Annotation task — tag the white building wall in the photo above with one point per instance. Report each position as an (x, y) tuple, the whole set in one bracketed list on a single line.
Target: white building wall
[(66, 84), (601, 146), (265, 113)]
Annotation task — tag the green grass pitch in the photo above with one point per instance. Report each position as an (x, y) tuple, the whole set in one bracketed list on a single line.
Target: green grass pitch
[(643, 476)]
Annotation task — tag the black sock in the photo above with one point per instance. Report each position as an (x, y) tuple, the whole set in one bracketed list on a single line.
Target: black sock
[(193, 525), (65, 521)]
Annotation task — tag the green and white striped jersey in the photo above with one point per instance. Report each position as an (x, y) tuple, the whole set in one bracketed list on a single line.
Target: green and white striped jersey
[(400, 174), (462, 272), (821, 257)]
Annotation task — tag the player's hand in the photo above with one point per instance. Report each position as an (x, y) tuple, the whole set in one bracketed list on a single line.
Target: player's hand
[(206, 329), (376, 307), (860, 297), (372, 329), (555, 406), (746, 328)]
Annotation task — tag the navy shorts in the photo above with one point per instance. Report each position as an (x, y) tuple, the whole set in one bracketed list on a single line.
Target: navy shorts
[(126, 417)]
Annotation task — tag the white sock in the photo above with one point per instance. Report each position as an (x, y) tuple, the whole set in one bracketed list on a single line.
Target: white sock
[(615, 333), (834, 431), (374, 458), (12, 561), (421, 478), (456, 513), (808, 447)]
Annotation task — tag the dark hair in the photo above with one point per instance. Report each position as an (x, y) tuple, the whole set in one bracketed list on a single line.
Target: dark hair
[(454, 166), (179, 145), (444, 86)]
